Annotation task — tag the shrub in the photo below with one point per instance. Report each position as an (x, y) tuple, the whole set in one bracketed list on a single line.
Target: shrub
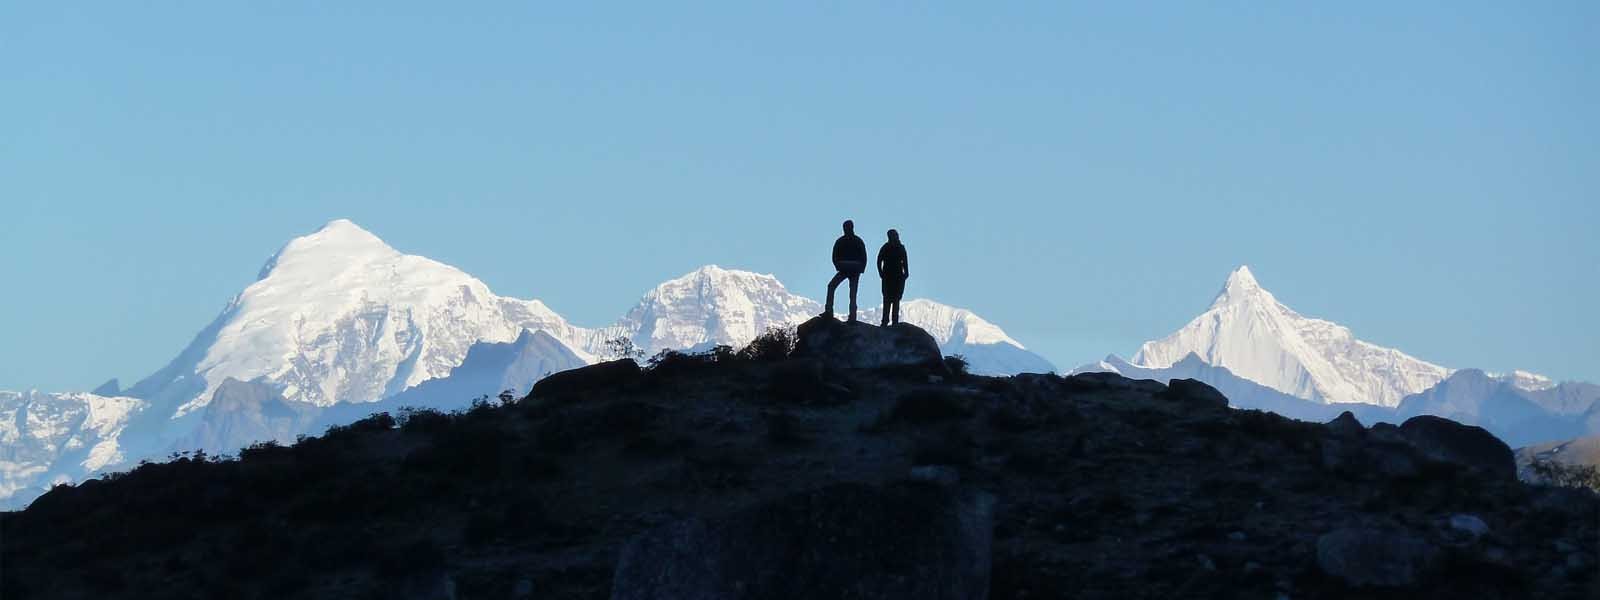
[(773, 345), (1565, 475), (422, 420), (263, 450), (621, 347), (376, 422), (957, 364), (671, 363)]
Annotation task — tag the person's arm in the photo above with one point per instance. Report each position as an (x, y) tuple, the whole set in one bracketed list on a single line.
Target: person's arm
[(880, 263), (905, 264)]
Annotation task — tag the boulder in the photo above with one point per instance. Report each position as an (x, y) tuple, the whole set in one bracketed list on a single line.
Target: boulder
[(1194, 391), (1085, 382), (848, 540), (1368, 557), (861, 346), (1470, 446), (605, 375)]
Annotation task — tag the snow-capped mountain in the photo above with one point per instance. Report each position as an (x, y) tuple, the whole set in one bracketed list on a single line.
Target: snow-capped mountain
[(709, 306), (1255, 336), (339, 316), (339, 324), (713, 305), (50, 438), (987, 348)]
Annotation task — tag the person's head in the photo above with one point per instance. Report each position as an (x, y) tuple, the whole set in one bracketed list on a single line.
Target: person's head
[(849, 226), (894, 236)]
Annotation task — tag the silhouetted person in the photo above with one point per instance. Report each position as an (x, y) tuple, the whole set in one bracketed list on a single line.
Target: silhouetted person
[(850, 259), (893, 269)]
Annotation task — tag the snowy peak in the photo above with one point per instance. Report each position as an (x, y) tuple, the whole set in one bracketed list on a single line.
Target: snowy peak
[(339, 242), (1249, 332), (340, 316), (1530, 382), (712, 305), (949, 324), (1242, 286)]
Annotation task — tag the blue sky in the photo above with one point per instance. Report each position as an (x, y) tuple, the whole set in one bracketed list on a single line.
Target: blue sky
[(1085, 176)]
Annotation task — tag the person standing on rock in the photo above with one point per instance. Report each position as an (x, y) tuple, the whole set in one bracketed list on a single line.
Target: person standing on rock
[(893, 269), (849, 259)]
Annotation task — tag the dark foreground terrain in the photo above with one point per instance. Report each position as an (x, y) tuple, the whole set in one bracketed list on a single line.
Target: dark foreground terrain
[(1101, 487)]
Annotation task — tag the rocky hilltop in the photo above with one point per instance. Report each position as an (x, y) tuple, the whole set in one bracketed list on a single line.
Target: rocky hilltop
[(770, 473)]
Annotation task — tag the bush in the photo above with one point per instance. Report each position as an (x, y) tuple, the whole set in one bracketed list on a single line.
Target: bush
[(263, 451), (957, 364), (422, 420), (776, 344), (672, 363), (1564, 475), (621, 347)]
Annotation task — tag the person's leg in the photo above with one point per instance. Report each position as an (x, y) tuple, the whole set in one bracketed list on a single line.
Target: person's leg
[(855, 280), (893, 290), (832, 285)]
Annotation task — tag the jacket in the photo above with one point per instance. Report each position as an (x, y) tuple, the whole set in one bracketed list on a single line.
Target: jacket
[(892, 263), (850, 249)]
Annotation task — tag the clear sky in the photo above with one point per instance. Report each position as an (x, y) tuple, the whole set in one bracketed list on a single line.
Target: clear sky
[(1084, 176)]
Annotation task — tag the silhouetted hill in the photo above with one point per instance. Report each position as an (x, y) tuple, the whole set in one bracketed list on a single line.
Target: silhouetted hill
[(1092, 486)]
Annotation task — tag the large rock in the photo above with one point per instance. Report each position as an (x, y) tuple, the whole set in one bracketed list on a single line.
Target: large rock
[(844, 541), (861, 346), (1194, 391), (1467, 445), (610, 374), (1371, 558)]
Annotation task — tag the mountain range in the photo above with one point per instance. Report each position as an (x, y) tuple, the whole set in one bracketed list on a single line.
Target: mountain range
[(1263, 355), (339, 324)]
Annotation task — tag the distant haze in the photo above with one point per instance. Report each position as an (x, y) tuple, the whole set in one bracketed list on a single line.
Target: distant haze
[(1084, 177)]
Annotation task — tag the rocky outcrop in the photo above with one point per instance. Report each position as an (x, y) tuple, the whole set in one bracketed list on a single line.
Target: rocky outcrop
[(845, 541), (1448, 441), (609, 374), (857, 345), (1194, 391)]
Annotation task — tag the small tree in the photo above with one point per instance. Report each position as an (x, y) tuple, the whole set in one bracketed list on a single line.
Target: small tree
[(775, 344)]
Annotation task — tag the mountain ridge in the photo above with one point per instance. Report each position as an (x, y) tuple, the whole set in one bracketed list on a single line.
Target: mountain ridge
[(339, 319)]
